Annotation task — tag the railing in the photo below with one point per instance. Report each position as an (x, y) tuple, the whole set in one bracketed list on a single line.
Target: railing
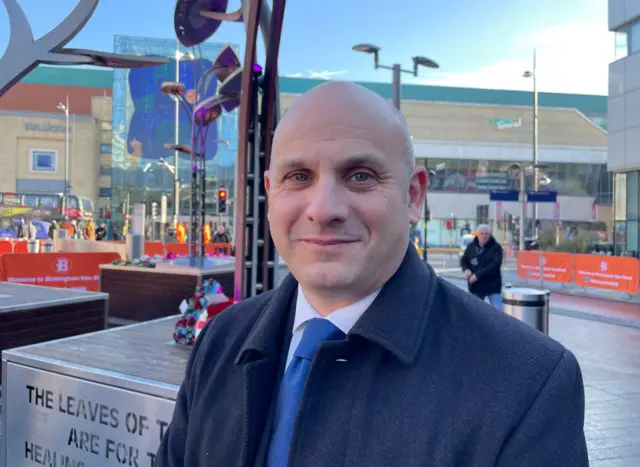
[(620, 274)]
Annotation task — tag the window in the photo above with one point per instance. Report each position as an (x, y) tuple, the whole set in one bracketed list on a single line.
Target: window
[(105, 170), (31, 201), (621, 44), (105, 148), (10, 199), (43, 160), (72, 202), (87, 204), (49, 201), (634, 38)]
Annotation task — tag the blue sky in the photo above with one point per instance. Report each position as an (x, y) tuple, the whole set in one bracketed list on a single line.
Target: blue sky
[(478, 43)]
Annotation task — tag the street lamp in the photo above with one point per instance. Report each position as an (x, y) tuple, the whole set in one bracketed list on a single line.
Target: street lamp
[(176, 91), (532, 74), (522, 169), (396, 68), (65, 108)]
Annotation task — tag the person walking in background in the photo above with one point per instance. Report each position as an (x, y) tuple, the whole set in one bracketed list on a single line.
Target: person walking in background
[(221, 236), (101, 232), (52, 228), (89, 231), (481, 265)]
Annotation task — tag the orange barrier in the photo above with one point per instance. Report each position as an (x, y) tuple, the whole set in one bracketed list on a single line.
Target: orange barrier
[(20, 247), (67, 270), (556, 267), (607, 272), (6, 246), (596, 271)]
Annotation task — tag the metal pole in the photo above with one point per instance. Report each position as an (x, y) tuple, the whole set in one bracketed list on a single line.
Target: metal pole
[(176, 156), (535, 144), (66, 155), (523, 197), (396, 86)]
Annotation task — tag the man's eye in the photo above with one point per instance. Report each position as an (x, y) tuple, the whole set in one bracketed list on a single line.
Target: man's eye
[(361, 177), (299, 177)]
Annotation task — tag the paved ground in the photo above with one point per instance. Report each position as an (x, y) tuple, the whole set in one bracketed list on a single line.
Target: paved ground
[(609, 356)]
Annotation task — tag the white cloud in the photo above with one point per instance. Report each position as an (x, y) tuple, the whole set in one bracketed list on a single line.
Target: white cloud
[(571, 58), (318, 74)]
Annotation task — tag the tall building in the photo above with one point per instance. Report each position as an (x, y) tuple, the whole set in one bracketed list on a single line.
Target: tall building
[(624, 122)]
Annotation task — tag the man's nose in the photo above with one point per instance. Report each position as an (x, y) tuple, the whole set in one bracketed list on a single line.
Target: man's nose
[(327, 202)]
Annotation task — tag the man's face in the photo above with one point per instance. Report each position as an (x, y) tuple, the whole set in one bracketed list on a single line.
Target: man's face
[(340, 202), (483, 237)]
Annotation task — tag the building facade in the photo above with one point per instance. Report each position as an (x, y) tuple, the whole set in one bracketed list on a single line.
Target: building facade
[(624, 122), (469, 137)]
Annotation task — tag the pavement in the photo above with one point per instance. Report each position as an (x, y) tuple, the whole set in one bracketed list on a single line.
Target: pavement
[(608, 350), (605, 338)]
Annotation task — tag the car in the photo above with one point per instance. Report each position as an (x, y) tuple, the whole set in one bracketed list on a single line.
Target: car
[(10, 230)]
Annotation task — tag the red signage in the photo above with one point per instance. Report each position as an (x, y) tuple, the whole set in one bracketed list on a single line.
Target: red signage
[(79, 271)]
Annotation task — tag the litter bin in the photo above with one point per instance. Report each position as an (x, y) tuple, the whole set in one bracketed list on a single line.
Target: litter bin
[(530, 306), (33, 246), (46, 247)]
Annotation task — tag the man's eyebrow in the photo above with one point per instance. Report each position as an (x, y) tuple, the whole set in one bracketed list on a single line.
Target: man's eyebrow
[(349, 162)]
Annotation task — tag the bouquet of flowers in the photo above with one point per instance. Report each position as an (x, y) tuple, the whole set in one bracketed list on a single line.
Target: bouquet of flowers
[(207, 301)]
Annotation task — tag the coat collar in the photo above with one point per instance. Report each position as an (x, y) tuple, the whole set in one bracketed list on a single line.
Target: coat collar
[(396, 320)]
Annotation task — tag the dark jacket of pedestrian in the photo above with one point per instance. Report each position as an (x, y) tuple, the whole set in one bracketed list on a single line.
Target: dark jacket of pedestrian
[(485, 262), (426, 377)]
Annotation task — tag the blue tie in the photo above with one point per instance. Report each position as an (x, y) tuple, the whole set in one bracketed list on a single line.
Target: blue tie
[(317, 331)]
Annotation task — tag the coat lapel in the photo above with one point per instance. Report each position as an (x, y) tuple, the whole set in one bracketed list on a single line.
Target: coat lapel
[(260, 357)]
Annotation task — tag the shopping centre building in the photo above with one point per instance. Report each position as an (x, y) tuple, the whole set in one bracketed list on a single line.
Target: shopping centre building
[(469, 137), (624, 121)]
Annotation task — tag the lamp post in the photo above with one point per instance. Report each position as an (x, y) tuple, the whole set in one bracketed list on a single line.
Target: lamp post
[(395, 68), (65, 109), (396, 93), (532, 74), (176, 157), (521, 168)]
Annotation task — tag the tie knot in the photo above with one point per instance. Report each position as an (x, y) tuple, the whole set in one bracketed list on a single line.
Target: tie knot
[(317, 331)]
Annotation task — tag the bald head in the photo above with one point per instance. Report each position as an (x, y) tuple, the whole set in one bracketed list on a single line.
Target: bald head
[(348, 108)]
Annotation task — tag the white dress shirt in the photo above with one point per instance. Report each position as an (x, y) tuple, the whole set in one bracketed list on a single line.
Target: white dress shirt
[(343, 318)]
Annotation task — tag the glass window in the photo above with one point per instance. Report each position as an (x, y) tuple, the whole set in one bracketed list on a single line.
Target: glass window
[(634, 39), (43, 160), (105, 148), (10, 199), (620, 194), (31, 201), (621, 44), (87, 204), (72, 202), (49, 201), (105, 170), (632, 196), (632, 235)]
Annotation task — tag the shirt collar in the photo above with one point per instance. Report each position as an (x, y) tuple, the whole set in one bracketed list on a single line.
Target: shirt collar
[(343, 318)]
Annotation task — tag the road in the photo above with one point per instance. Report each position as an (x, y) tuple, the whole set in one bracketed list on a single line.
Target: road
[(609, 355)]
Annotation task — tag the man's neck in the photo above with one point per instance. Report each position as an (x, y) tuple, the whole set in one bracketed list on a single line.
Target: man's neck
[(326, 302)]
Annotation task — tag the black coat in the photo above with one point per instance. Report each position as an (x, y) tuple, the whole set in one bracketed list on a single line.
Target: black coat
[(485, 262), (426, 377)]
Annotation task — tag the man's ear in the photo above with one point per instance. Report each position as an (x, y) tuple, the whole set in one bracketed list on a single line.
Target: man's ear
[(417, 195), (267, 181)]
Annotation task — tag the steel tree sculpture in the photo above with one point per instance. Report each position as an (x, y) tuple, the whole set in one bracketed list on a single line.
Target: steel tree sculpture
[(255, 258), (24, 53)]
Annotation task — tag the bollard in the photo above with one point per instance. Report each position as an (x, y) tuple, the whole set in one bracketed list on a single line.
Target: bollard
[(47, 247), (530, 306), (135, 246), (33, 246)]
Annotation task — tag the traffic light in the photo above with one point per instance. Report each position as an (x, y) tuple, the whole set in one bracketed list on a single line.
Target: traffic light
[(154, 210), (222, 201), (449, 225), (108, 214)]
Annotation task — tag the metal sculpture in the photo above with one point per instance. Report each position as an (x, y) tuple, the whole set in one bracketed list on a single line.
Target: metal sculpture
[(195, 21), (24, 53)]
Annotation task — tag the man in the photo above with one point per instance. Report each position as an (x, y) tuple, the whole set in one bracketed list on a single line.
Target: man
[(481, 263), (221, 235), (424, 376), (89, 231)]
